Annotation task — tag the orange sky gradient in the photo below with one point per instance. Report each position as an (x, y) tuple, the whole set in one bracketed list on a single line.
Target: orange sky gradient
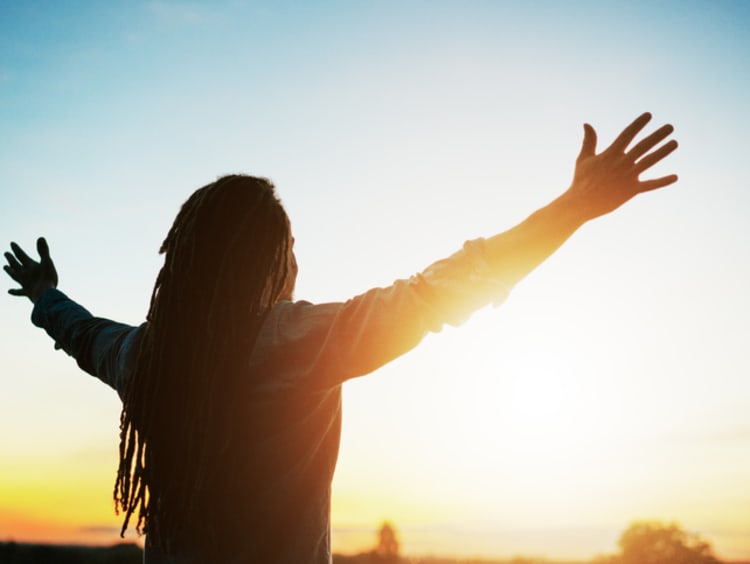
[(612, 386)]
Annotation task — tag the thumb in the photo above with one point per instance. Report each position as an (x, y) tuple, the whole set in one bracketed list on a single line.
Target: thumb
[(588, 148)]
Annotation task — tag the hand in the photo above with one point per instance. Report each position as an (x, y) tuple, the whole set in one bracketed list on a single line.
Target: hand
[(34, 277), (603, 182)]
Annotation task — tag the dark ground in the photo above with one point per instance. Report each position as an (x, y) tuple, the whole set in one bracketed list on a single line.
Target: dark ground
[(19, 553), (128, 553)]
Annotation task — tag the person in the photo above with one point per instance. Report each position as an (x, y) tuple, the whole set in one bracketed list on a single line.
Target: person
[(231, 389)]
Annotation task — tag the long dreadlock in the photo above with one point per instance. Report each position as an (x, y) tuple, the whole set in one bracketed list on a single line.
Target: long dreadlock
[(227, 261)]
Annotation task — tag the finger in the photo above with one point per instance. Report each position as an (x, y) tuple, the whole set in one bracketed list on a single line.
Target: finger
[(651, 159), (43, 249), (657, 183), (650, 142), (17, 292), (12, 273), (629, 133), (22, 256), (12, 262), (588, 147)]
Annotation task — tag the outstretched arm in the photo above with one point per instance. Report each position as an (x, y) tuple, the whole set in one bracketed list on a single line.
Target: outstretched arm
[(34, 277), (601, 183), (103, 348)]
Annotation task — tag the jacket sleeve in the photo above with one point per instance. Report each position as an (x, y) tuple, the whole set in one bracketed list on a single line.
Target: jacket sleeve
[(103, 348), (319, 346)]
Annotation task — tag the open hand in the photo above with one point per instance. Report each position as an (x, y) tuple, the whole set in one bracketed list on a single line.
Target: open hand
[(34, 277), (603, 182)]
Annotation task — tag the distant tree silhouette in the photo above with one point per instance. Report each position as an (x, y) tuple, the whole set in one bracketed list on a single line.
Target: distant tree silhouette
[(655, 543), (22, 553), (387, 548)]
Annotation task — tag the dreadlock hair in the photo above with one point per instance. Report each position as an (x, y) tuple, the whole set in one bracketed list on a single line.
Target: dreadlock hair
[(228, 259)]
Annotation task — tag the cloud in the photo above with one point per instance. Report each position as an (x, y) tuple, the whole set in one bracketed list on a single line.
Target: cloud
[(104, 530)]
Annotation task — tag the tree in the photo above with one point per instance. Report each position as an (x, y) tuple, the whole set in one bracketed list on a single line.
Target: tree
[(387, 549), (655, 543)]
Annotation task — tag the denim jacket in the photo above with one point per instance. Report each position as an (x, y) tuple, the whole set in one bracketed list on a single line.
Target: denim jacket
[(304, 352)]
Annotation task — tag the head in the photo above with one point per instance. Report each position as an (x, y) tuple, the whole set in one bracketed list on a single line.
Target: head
[(231, 234), (228, 259)]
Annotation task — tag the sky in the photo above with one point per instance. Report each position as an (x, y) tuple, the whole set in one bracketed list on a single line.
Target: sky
[(614, 383)]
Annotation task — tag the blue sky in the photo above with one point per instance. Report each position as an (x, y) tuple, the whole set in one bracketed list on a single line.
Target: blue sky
[(395, 131)]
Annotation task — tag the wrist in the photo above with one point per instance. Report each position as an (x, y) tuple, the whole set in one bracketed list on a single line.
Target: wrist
[(570, 209), (37, 292)]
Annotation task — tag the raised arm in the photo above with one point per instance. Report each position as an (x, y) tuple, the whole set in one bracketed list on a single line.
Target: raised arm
[(601, 183), (103, 348)]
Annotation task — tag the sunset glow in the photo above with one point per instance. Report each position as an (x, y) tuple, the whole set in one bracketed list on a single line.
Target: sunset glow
[(611, 386)]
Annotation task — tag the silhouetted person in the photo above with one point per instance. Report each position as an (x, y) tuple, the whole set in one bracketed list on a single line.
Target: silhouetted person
[(232, 391)]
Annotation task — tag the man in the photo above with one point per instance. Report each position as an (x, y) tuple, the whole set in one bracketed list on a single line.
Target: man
[(232, 391)]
